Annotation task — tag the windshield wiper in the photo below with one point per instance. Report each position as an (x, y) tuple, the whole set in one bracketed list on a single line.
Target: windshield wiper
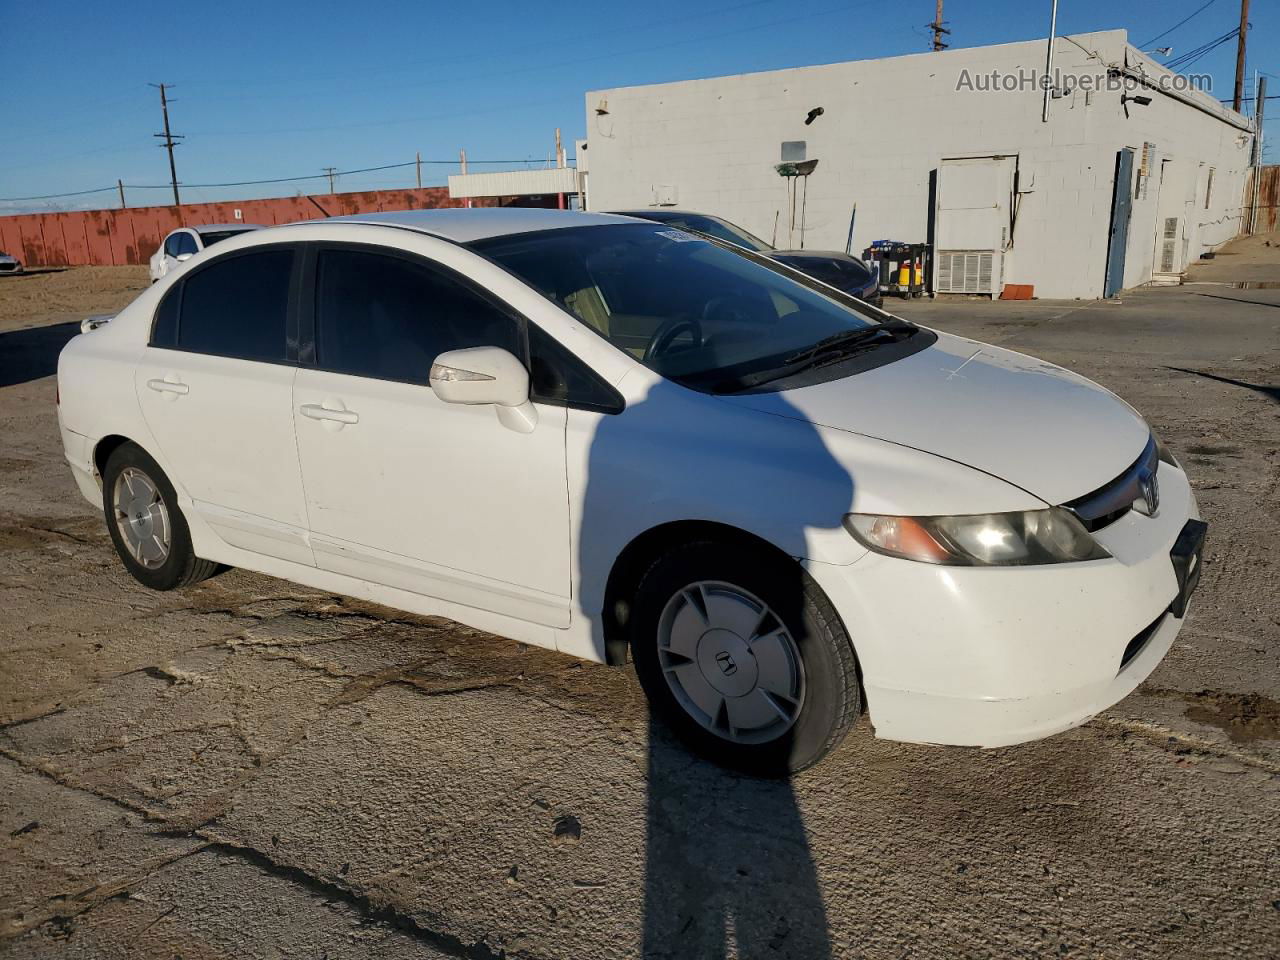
[(832, 349), (842, 342)]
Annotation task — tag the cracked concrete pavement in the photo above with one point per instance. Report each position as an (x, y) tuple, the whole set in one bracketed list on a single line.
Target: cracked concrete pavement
[(247, 768)]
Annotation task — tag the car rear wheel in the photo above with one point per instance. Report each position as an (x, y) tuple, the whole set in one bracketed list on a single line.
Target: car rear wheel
[(147, 528), (744, 657)]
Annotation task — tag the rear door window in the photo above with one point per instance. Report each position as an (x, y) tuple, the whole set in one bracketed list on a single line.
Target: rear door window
[(237, 306)]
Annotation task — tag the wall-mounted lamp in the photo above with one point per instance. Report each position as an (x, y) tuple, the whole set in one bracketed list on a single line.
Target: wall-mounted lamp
[(1125, 100), (814, 114), (602, 108)]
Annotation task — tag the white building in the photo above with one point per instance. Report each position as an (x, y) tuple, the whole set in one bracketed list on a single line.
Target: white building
[(936, 147)]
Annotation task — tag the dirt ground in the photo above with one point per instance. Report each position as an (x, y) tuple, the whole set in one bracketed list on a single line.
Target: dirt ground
[(251, 769)]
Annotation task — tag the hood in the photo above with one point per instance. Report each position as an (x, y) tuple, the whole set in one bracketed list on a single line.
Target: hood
[(1040, 427)]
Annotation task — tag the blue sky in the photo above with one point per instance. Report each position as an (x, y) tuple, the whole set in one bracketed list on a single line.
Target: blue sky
[(279, 89)]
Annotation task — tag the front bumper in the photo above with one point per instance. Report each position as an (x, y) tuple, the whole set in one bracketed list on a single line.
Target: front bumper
[(991, 656)]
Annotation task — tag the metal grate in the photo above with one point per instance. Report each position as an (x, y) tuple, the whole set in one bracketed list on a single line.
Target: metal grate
[(965, 271)]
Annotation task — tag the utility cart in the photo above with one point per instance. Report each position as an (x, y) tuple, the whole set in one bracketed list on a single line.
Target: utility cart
[(902, 266)]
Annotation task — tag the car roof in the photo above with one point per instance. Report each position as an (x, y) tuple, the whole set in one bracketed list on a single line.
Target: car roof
[(463, 225)]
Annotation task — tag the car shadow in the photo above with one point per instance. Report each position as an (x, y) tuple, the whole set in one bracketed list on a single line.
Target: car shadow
[(1272, 393), (32, 354), (729, 871)]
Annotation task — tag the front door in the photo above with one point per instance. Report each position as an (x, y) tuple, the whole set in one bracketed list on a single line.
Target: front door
[(215, 384), (1118, 240), (406, 490)]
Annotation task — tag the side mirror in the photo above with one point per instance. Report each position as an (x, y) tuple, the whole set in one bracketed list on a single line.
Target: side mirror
[(184, 256), (486, 375)]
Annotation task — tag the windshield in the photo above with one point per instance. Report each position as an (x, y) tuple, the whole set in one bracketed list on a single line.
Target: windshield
[(210, 237), (720, 229), (697, 312)]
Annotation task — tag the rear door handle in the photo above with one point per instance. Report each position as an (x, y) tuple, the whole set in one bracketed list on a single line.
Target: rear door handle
[(168, 386), (317, 411)]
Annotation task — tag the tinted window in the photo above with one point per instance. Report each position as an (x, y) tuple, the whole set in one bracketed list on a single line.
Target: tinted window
[(171, 244), (387, 317), (557, 376), (186, 243), (721, 229), (238, 307), (164, 331), (210, 237)]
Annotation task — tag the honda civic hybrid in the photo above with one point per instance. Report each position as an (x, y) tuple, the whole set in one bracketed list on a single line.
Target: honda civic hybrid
[(629, 443)]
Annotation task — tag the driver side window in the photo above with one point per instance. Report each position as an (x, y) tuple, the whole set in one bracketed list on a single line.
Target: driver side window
[(186, 244), (171, 244)]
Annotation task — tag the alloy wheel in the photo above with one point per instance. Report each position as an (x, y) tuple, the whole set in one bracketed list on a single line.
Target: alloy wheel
[(142, 518)]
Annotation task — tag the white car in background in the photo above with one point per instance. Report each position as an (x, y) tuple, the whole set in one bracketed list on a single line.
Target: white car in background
[(9, 264), (613, 438), (184, 243)]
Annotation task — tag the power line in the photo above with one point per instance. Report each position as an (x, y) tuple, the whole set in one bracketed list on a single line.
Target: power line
[(1191, 56), (1161, 36), (56, 196), (251, 183)]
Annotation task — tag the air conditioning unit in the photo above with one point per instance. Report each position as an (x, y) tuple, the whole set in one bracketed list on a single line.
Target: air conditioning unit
[(966, 271)]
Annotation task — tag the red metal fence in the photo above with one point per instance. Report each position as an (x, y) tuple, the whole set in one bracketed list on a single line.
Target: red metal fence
[(115, 237)]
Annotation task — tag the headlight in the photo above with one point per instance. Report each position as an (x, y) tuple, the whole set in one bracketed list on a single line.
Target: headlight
[(979, 540)]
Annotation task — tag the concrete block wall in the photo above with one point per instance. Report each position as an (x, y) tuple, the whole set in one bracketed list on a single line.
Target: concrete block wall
[(886, 125)]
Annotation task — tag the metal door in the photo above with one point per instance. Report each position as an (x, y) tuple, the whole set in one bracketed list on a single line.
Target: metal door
[(1121, 207)]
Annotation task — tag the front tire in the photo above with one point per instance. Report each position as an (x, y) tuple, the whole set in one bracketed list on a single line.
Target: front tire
[(744, 658), (147, 528)]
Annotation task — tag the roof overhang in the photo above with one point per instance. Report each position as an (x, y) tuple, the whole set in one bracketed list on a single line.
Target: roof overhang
[(514, 183)]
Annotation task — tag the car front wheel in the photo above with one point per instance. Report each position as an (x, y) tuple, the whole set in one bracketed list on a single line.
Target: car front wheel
[(744, 657), (145, 524)]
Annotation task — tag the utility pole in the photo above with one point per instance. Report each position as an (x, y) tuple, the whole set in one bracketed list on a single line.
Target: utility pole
[(169, 139), (329, 171), (1241, 43), (418, 163), (1259, 109), (120, 185), (939, 29)]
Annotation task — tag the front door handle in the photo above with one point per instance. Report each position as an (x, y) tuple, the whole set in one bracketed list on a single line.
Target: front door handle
[(169, 386), (317, 411)]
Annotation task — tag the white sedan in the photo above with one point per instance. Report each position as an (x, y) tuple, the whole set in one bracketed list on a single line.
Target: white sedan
[(184, 243), (9, 264), (619, 440)]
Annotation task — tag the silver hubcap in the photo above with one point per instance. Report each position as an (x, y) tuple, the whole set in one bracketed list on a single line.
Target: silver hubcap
[(141, 518), (731, 662)]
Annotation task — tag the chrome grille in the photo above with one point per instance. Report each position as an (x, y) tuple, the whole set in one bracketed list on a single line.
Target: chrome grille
[(1113, 500)]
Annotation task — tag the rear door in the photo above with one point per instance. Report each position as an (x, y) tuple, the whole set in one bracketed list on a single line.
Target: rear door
[(215, 385), (973, 223)]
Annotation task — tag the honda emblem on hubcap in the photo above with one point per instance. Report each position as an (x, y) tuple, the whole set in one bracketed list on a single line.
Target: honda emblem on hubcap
[(727, 665)]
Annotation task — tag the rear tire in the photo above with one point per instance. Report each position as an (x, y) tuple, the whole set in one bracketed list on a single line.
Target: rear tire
[(147, 528), (743, 656)]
